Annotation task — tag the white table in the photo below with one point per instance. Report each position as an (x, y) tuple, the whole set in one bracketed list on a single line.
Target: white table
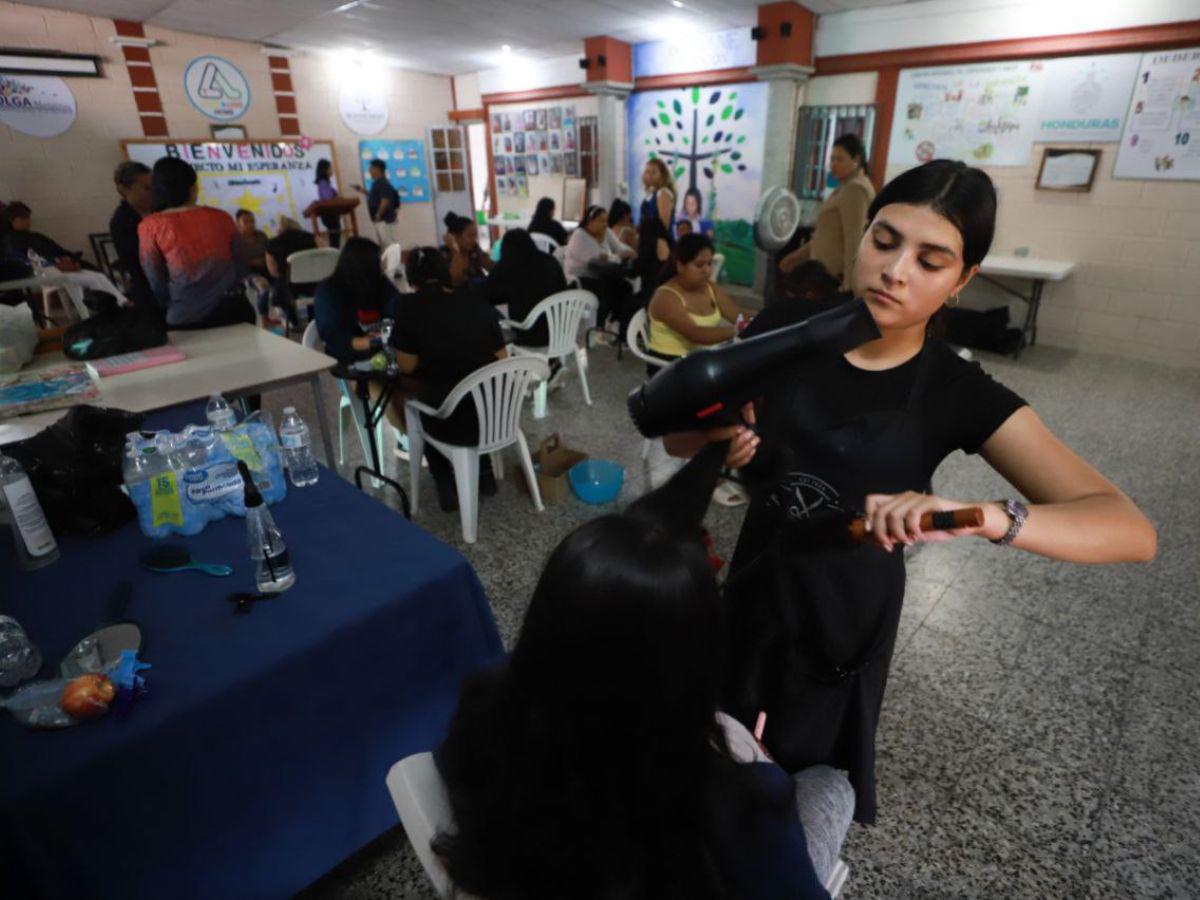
[(1038, 272), (235, 360), (519, 222)]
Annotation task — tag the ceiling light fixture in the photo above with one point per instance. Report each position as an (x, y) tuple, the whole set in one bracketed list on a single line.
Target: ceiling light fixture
[(506, 48), (678, 4)]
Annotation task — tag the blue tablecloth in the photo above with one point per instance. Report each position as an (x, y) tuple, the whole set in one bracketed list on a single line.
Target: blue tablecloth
[(257, 762)]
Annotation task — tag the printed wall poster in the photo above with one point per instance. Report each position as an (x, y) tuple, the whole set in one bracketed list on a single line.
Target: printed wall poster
[(985, 113), (1162, 127), (730, 49), (217, 88), (712, 140), (36, 105), (269, 178), (1084, 98), (363, 105), (406, 170)]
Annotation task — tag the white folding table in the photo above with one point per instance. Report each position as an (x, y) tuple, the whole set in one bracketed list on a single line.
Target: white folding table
[(235, 360), (1038, 272)]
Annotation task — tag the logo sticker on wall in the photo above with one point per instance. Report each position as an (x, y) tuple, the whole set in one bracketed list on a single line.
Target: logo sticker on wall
[(217, 88), (38, 105), (363, 107)]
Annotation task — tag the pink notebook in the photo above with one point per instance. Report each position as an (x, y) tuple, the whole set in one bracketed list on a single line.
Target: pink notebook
[(131, 362)]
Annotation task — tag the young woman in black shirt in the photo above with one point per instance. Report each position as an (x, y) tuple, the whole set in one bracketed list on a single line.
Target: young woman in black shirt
[(813, 617)]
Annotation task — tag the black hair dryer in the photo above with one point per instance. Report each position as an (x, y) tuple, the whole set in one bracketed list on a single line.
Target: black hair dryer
[(707, 388)]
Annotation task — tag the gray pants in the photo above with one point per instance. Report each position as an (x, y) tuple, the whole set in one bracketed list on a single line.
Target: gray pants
[(825, 802)]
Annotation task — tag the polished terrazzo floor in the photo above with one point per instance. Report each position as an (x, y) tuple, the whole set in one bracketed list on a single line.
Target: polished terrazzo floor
[(1040, 735)]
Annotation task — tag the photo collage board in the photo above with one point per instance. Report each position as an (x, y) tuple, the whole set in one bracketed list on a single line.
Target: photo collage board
[(528, 142)]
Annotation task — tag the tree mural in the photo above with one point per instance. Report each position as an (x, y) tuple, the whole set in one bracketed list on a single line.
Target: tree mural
[(703, 136)]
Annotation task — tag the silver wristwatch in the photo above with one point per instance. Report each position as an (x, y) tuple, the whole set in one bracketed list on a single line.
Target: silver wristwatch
[(1018, 512)]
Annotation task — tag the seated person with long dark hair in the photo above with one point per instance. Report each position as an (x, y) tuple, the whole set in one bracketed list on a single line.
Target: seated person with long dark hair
[(292, 238), (595, 257), (620, 222), (446, 332), (524, 277), (192, 255), (352, 303), (806, 290), (466, 259), (594, 764), (688, 310), (543, 222)]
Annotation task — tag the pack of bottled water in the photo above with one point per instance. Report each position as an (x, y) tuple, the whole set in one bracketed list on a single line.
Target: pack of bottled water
[(181, 481)]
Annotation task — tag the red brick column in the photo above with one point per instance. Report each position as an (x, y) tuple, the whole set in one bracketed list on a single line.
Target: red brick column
[(141, 77), (285, 95)]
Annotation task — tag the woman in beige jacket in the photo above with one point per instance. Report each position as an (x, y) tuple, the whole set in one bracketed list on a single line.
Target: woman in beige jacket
[(842, 218)]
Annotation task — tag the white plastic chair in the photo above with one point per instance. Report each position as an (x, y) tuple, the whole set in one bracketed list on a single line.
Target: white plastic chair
[(393, 267), (545, 243), (637, 339), (718, 264), (564, 312), (420, 798), (309, 267), (498, 391), (346, 404)]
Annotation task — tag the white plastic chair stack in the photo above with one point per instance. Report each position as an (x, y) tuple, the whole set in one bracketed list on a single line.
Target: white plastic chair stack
[(498, 391), (420, 798), (564, 312), (346, 404), (637, 338), (545, 243)]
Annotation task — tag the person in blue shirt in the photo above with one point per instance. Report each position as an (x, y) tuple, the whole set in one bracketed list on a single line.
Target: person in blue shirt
[(594, 763), (383, 203)]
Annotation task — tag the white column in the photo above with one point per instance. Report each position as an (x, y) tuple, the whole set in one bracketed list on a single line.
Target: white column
[(784, 94), (610, 138)]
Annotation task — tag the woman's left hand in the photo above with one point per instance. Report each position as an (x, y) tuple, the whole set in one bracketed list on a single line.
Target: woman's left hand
[(896, 519)]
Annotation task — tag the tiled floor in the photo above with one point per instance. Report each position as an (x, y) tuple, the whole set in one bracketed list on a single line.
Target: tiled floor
[(1039, 736)]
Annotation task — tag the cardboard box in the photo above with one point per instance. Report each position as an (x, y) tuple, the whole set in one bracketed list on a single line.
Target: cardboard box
[(551, 461)]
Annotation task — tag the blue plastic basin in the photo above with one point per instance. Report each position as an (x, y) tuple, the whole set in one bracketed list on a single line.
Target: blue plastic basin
[(596, 480)]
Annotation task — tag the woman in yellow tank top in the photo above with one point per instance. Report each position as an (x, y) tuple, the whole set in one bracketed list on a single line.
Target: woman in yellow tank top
[(689, 311)]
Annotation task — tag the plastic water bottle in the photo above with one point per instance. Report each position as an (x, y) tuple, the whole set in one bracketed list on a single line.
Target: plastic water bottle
[(273, 570), (19, 657), (36, 263), (296, 443), (218, 413), (34, 541)]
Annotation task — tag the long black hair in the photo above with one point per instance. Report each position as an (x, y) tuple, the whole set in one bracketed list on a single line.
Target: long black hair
[(324, 171), (543, 212), (593, 765), (618, 212), (456, 224), (172, 180), (358, 277), (854, 148), (518, 249), (427, 269), (963, 195)]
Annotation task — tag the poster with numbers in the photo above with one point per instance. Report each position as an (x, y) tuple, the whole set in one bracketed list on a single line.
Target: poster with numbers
[(986, 114), (1161, 140)]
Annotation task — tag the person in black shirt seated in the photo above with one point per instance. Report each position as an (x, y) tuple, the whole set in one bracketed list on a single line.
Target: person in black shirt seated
[(20, 238), (466, 259), (292, 238), (524, 277), (446, 332), (132, 180), (803, 292), (543, 222), (593, 763)]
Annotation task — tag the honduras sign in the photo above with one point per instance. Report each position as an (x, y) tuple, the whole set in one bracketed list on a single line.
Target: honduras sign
[(37, 105)]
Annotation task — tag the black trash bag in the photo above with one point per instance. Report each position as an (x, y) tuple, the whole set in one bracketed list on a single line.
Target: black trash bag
[(112, 330), (75, 468), (982, 329)]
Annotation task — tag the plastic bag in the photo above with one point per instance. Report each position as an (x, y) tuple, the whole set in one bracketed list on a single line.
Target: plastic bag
[(18, 337)]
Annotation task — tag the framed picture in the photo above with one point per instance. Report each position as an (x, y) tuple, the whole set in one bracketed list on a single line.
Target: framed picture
[(530, 119), (531, 164), (554, 119), (508, 143), (519, 165), (556, 164), (555, 142), (519, 142), (1068, 170), (227, 132), (540, 118), (505, 122), (497, 123), (570, 164)]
